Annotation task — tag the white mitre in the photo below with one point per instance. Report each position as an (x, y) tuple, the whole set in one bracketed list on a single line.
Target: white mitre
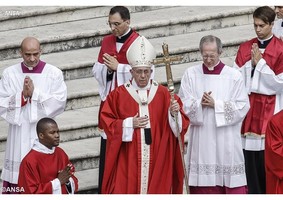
[(141, 53)]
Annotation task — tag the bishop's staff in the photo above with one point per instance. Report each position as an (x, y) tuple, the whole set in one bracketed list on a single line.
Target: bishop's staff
[(170, 84)]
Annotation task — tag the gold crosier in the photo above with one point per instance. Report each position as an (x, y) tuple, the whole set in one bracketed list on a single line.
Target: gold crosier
[(170, 84)]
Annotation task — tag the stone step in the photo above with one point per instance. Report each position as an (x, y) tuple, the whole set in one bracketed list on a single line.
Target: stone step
[(78, 63), (74, 125), (18, 17), (84, 153), (88, 181), (81, 34), (82, 93)]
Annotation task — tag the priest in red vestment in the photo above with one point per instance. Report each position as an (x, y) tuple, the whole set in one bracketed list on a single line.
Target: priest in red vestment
[(142, 151), (274, 155), (260, 60), (46, 169)]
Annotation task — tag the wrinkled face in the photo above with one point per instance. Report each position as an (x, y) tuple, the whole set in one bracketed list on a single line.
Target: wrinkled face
[(141, 75), (117, 25), (279, 11), (262, 30), (31, 52), (210, 54), (50, 136)]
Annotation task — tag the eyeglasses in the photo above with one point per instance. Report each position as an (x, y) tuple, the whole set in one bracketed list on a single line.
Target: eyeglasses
[(212, 57), (140, 71), (115, 23)]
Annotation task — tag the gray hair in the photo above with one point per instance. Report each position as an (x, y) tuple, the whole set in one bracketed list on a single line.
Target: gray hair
[(210, 39)]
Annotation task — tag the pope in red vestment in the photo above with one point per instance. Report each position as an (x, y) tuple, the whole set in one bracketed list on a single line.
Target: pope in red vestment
[(274, 155), (142, 151)]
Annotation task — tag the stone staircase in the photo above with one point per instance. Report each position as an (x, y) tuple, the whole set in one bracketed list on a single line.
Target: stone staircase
[(70, 38)]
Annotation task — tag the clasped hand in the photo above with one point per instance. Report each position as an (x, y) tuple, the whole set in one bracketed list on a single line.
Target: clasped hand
[(207, 100), (140, 122), (110, 61), (28, 87), (255, 54), (65, 174)]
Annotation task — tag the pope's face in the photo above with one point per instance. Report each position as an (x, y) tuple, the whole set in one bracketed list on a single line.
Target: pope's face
[(141, 75)]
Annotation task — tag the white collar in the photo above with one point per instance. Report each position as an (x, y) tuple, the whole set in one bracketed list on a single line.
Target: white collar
[(262, 41), (37, 146), (134, 84)]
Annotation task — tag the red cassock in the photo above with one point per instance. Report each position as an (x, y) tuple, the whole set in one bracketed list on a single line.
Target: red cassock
[(123, 167), (37, 170), (274, 155)]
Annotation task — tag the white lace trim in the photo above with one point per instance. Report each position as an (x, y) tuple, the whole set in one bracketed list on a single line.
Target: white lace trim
[(228, 112), (193, 110), (204, 169)]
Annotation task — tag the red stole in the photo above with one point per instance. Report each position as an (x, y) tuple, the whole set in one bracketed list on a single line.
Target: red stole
[(108, 45), (262, 106)]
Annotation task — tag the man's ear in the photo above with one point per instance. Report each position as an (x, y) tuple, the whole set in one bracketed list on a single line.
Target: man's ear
[(41, 135)]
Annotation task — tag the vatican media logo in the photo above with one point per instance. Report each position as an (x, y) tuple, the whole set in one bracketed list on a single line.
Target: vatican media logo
[(12, 189)]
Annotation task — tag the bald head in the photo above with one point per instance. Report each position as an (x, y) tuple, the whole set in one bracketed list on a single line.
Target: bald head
[(30, 51), (30, 41)]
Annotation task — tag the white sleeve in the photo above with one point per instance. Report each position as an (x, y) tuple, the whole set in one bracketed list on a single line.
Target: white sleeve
[(128, 130), (49, 103), (10, 101), (56, 186), (191, 104), (99, 71), (173, 124), (265, 81)]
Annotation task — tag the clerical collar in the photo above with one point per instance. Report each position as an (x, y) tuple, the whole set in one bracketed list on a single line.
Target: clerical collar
[(37, 146), (37, 69), (123, 38), (215, 70), (262, 44), (134, 84)]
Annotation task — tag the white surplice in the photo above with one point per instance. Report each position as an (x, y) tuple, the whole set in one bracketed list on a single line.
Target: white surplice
[(277, 29), (48, 100), (215, 155)]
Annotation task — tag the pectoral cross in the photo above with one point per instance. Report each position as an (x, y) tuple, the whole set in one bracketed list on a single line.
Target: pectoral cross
[(167, 59)]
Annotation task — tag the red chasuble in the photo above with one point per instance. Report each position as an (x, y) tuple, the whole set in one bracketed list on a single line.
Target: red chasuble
[(274, 155), (108, 45), (123, 165), (262, 106), (37, 170)]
